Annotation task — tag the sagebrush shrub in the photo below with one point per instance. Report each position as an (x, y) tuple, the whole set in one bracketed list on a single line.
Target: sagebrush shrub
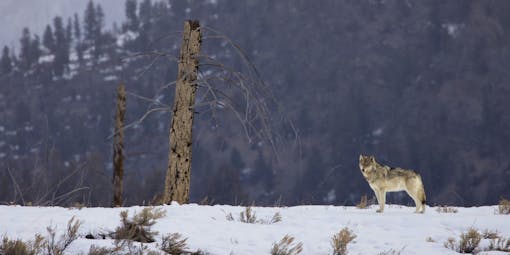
[(41, 245), (490, 234), (174, 244), (58, 246), (286, 246), (390, 252), (499, 244), (20, 247), (340, 240), (446, 209), (138, 228), (468, 242), (249, 216)]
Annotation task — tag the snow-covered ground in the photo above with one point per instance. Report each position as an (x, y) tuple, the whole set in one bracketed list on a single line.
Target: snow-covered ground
[(208, 229)]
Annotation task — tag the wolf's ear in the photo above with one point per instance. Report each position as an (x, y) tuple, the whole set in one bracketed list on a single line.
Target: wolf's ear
[(360, 157), (372, 158)]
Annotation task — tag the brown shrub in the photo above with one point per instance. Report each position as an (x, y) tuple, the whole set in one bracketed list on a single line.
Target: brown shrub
[(174, 244), (490, 234), (57, 247), (138, 228), (19, 247), (446, 209), (391, 252), (39, 245), (249, 216), (499, 244), (468, 242), (340, 241), (286, 246)]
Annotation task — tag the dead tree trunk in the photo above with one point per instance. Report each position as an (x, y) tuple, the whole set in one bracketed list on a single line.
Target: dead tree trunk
[(118, 146), (177, 181)]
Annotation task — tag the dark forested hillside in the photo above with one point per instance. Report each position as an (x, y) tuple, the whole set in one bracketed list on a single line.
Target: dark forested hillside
[(418, 84)]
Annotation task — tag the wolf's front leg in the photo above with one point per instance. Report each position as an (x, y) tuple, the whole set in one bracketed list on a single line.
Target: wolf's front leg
[(381, 198)]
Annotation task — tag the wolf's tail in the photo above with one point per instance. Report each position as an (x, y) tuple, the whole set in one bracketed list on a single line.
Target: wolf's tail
[(423, 197)]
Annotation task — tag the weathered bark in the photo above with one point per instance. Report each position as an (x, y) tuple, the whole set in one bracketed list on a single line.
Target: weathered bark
[(118, 146), (177, 181)]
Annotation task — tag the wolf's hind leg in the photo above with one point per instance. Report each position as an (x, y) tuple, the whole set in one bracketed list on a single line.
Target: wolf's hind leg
[(419, 205)]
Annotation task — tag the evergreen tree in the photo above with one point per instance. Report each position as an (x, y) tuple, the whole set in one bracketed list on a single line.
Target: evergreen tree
[(77, 36), (35, 49), (99, 39), (48, 39), (93, 25), (99, 19), (69, 32), (5, 61), (145, 14), (90, 23), (25, 57), (59, 32), (77, 27), (145, 24), (61, 47), (132, 22)]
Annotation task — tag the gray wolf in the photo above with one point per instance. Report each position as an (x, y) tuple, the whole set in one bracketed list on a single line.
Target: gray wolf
[(384, 179)]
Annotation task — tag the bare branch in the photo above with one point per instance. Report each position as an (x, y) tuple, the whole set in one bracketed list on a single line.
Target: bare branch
[(16, 186), (143, 117), (151, 54)]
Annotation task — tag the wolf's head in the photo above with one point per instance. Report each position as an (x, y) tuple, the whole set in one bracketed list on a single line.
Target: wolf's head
[(366, 164)]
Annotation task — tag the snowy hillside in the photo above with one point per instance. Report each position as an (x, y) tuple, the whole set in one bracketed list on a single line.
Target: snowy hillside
[(208, 229), (35, 14)]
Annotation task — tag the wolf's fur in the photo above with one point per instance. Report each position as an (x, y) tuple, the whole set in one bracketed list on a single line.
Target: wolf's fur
[(384, 179)]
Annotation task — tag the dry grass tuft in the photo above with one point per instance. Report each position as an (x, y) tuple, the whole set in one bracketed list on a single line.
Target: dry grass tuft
[(230, 217), (96, 250), (41, 245), (446, 209), (504, 206), (340, 240), (174, 244), (430, 240), (468, 242), (499, 244), (249, 216), (138, 228), (451, 244), (124, 247), (490, 234), (277, 217), (391, 252), (19, 247), (57, 247), (286, 246)]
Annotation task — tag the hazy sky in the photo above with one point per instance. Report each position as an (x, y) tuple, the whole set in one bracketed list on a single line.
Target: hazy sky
[(36, 14)]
